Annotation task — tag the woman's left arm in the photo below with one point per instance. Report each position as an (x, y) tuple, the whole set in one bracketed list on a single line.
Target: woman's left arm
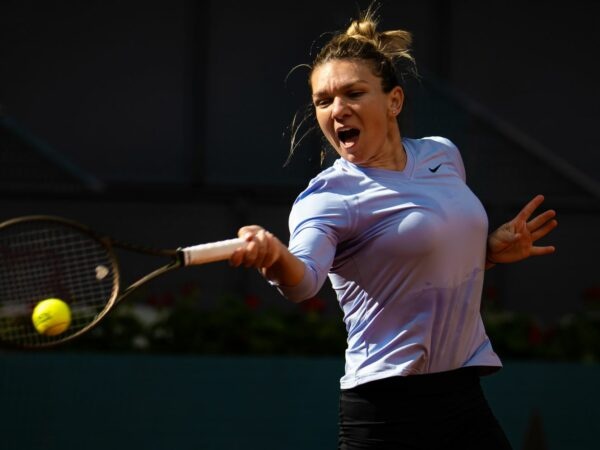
[(514, 241)]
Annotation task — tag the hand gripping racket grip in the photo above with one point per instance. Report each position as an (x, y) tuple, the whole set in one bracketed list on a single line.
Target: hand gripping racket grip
[(211, 252)]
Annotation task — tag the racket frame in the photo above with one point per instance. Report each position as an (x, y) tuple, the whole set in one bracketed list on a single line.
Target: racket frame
[(108, 244)]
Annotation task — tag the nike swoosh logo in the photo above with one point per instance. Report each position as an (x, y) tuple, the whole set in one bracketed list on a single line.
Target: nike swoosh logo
[(435, 169)]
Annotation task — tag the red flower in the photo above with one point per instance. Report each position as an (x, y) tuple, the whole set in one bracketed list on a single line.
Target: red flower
[(160, 301), (314, 304), (536, 336), (152, 300), (252, 301), (490, 293), (188, 289)]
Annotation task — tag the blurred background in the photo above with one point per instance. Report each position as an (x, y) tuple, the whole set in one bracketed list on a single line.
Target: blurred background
[(168, 124)]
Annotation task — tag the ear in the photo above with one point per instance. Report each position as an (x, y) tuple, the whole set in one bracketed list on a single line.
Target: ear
[(396, 101)]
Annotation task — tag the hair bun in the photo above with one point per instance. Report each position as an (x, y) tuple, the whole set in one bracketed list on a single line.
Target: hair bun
[(365, 28), (392, 44), (396, 44)]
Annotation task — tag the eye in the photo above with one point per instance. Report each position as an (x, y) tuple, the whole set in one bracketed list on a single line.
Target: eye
[(355, 94), (322, 102)]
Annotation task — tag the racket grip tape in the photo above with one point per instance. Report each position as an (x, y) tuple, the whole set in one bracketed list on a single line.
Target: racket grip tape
[(211, 252)]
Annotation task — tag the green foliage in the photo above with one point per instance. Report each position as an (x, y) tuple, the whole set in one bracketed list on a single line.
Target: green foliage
[(243, 326), (234, 326), (572, 337), (575, 337)]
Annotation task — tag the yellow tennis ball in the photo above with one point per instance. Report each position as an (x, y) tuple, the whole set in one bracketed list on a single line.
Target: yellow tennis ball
[(51, 317)]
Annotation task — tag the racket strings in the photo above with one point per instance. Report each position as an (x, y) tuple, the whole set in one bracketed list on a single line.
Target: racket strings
[(40, 260)]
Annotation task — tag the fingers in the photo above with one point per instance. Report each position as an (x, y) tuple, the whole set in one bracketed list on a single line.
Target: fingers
[(530, 207), (542, 224), (540, 251), (261, 251), (540, 220), (249, 229), (514, 240), (542, 231), (257, 249)]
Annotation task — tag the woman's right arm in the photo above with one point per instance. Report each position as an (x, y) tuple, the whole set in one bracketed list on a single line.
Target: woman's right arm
[(269, 255)]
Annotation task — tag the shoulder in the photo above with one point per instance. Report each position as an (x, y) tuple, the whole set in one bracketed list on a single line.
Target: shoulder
[(432, 144), (433, 150), (333, 183), (326, 197)]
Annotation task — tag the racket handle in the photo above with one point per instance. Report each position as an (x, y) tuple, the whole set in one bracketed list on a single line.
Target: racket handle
[(211, 252)]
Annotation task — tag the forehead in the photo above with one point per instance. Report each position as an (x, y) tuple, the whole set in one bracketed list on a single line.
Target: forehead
[(340, 73)]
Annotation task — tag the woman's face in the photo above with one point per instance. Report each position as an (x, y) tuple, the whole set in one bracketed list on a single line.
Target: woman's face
[(355, 115)]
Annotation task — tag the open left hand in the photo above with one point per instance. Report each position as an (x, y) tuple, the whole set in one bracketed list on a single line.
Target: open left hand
[(514, 241)]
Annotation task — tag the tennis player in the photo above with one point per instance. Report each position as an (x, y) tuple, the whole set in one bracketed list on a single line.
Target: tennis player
[(405, 244)]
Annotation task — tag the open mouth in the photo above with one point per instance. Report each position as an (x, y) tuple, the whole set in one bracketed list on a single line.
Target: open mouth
[(348, 137)]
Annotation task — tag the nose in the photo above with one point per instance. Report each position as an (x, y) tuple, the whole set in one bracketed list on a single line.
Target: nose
[(340, 108)]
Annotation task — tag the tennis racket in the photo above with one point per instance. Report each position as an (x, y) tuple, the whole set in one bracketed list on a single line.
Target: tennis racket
[(45, 257)]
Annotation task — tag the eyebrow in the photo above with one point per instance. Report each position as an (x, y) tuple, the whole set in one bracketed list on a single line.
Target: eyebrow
[(342, 87)]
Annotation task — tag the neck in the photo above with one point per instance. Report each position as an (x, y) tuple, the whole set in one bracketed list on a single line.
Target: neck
[(400, 158), (397, 158)]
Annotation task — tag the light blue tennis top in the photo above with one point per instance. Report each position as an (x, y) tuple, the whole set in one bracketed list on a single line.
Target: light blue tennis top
[(405, 253)]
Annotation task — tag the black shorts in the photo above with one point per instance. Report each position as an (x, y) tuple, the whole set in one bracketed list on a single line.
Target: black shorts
[(436, 411)]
